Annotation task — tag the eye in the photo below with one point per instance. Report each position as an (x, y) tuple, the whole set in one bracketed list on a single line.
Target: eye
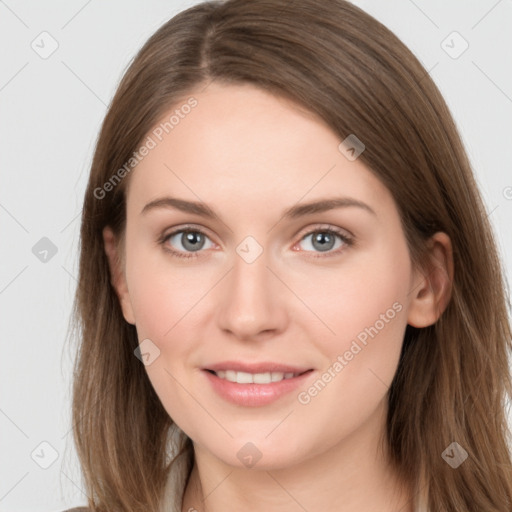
[(191, 240), (329, 240), (188, 241)]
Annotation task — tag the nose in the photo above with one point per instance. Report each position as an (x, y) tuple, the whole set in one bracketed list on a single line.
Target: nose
[(252, 301)]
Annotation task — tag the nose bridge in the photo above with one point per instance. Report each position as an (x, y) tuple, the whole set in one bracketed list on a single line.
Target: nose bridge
[(250, 278), (250, 275), (250, 301)]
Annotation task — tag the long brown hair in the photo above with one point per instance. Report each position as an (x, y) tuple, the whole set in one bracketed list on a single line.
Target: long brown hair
[(332, 58)]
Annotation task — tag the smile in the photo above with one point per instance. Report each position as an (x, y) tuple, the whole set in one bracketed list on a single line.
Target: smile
[(255, 388), (254, 378)]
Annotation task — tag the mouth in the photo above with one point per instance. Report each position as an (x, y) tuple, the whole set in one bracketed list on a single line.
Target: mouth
[(255, 384)]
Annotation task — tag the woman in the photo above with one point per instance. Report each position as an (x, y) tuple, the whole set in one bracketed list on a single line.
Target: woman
[(289, 293)]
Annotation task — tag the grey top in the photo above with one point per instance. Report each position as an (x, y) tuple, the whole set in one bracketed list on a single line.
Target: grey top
[(175, 486)]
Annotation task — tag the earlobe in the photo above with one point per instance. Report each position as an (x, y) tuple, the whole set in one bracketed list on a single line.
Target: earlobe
[(433, 285), (117, 275)]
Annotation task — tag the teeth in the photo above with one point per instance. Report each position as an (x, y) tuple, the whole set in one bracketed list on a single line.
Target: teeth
[(256, 378)]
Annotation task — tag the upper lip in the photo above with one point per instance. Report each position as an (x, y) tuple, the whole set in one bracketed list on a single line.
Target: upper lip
[(262, 367)]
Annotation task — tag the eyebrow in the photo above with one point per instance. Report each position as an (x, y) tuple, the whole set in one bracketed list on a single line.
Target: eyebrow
[(294, 212)]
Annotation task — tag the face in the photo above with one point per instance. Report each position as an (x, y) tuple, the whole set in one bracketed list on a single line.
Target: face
[(264, 285)]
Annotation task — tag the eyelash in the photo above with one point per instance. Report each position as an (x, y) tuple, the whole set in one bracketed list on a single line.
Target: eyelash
[(347, 240)]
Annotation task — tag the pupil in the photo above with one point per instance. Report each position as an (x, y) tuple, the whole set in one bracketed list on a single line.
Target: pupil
[(190, 241), (325, 241)]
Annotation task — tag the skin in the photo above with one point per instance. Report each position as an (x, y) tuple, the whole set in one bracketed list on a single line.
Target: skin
[(250, 155)]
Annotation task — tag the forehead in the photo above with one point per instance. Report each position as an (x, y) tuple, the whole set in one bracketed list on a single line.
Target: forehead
[(241, 144)]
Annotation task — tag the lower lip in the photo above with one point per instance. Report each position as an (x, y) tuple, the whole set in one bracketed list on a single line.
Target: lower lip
[(254, 395)]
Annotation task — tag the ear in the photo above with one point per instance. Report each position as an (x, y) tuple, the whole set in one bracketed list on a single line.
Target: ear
[(117, 274), (432, 285)]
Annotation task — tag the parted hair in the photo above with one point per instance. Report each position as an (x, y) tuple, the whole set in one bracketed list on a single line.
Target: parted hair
[(453, 378)]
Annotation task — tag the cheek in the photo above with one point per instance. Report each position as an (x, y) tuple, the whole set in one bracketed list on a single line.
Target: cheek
[(361, 362), (166, 303), (365, 306), (364, 296), (169, 302), (164, 295)]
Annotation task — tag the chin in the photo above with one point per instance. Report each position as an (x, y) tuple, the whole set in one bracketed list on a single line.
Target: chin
[(256, 455)]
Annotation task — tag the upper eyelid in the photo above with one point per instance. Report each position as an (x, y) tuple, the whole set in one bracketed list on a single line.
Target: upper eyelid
[(305, 231), (326, 227), (187, 227)]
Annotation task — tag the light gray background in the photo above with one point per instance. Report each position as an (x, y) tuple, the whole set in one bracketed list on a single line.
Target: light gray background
[(51, 112)]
